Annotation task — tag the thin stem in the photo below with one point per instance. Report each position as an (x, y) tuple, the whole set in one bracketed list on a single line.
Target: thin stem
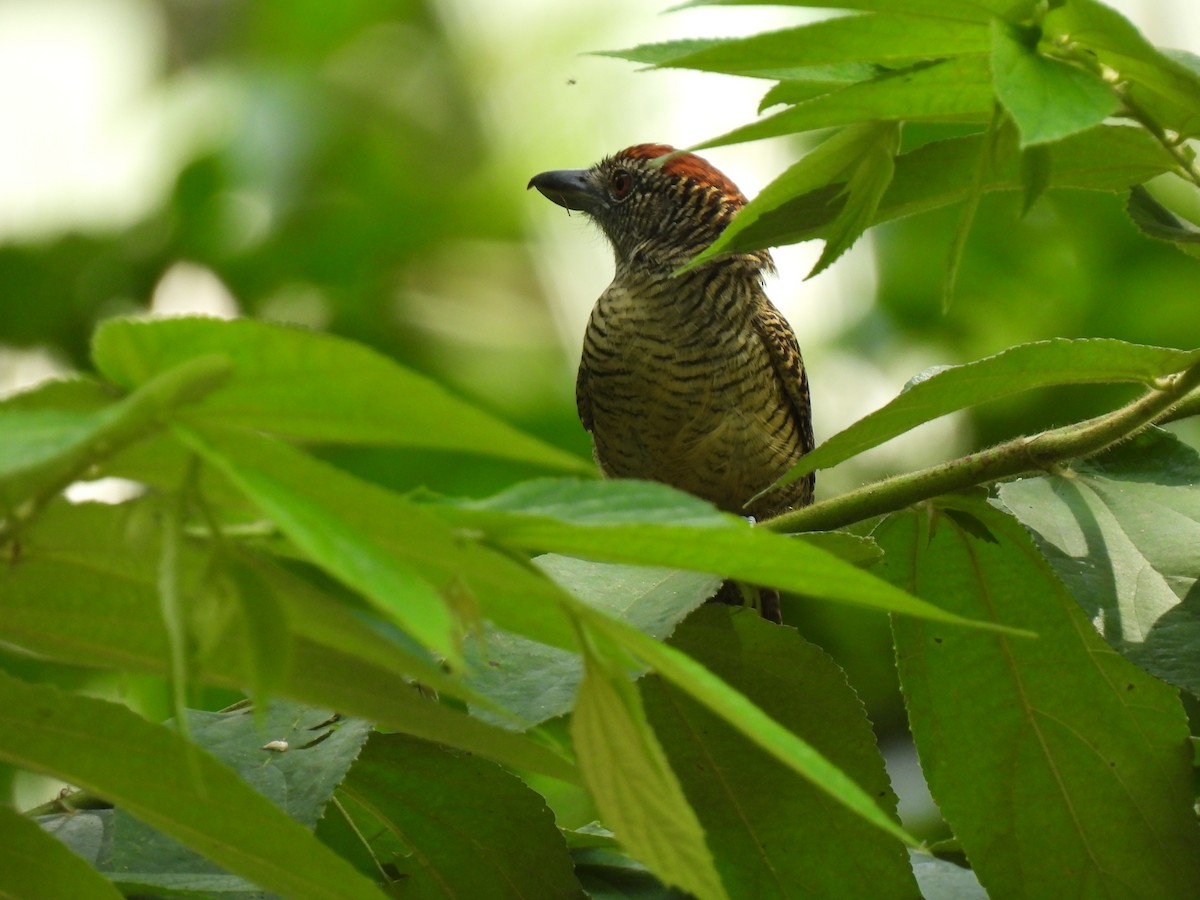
[(1018, 456)]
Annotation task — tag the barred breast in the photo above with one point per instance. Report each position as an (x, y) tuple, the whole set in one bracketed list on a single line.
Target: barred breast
[(697, 381)]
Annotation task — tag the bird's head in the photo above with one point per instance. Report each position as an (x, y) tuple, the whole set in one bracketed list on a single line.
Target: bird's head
[(655, 214)]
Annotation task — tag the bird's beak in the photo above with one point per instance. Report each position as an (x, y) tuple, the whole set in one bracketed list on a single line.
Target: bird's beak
[(569, 188)]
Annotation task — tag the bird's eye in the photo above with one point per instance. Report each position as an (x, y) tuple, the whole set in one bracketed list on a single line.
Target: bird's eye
[(621, 184)]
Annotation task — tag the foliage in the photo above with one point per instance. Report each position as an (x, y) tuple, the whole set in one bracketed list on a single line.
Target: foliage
[(546, 646)]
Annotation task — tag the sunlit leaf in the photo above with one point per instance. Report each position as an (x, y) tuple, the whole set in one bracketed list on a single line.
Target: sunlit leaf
[(1048, 99), (1123, 533)]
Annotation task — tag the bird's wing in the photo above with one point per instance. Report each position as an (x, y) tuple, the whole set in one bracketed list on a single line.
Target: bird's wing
[(583, 402), (777, 336)]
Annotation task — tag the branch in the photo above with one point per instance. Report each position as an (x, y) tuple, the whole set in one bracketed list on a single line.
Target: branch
[(1019, 456)]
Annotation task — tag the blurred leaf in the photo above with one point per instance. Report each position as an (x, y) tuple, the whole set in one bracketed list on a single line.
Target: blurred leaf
[(1123, 533), (975, 11), (632, 783), (1048, 99), (44, 448), (272, 475), (631, 522), (1156, 221), (1052, 759), (35, 864), (1020, 368), (498, 841), (1035, 175), (771, 831), (888, 39), (314, 387), (957, 89), (108, 750)]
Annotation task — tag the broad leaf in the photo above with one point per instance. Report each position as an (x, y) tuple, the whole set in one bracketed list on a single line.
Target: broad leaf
[(313, 386), (958, 10), (442, 823), (149, 770), (45, 448), (1048, 99), (1106, 158), (412, 566), (889, 39), (1123, 533), (35, 864), (537, 682), (630, 779), (735, 708), (771, 831), (1061, 768), (644, 523), (957, 89), (1021, 368)]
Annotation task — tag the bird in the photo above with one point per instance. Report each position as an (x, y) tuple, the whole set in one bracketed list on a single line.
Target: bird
[(687, 377)]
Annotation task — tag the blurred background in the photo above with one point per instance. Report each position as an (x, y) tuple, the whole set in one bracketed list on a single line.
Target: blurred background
[(360, 167)]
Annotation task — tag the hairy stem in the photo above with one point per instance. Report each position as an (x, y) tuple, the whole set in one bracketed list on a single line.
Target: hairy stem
[(1019, 456)]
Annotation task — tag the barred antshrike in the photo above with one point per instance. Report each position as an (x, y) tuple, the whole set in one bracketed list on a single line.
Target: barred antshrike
[(692, 379)]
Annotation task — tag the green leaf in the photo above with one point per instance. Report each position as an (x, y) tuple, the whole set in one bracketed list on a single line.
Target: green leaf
[(894, 40), (84, 593), (409, 564), (351, 553), (1048, 99), (952, 90), (958, 10), (1017, 369), (1106, 158), (942, 880), (632, 522), (35, 864), (1035, 175), (634, 788), (1060, 767), (871, 177), (498, 839), (770, 830), (299, 780), (109, 751), (537, 682), (1157, 81), (314, 387), (945, 172), (815, 81), (1156, 221), (734, 707), (1123, 533), (44, 448)]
